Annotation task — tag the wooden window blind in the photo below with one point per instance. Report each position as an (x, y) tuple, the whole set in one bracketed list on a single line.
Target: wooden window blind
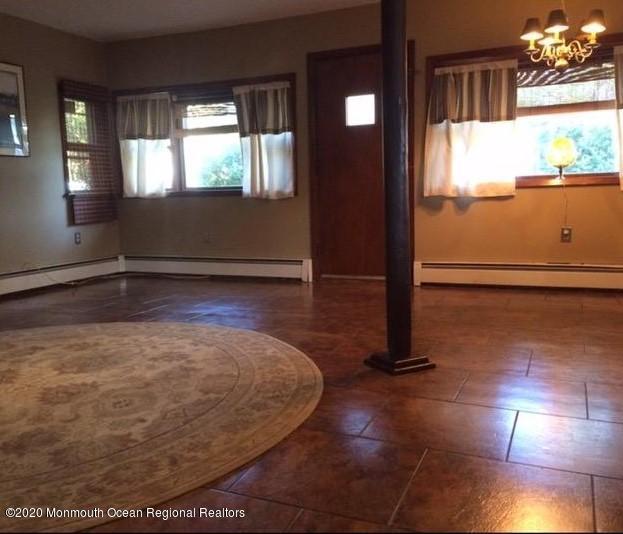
[(91, 177)]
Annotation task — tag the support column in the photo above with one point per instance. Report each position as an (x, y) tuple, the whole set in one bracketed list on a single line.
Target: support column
[(398, 359)]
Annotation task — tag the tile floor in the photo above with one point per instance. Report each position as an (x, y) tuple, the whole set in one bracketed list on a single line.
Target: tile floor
[(520, 427)]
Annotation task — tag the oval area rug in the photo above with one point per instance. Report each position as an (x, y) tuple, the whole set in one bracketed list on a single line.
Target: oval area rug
[(129, 415)]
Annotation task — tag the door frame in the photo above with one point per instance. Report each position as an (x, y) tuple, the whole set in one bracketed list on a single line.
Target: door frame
[(313, 58)]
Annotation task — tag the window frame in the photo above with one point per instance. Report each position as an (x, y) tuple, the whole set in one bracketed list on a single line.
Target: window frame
[(212, 92), (603, 53), (177, 145), (90, 206)]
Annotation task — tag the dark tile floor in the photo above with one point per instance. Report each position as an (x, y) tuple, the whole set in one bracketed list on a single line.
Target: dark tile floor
[(520, 427)]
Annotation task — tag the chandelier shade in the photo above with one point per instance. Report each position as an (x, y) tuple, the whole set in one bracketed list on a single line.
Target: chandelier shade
[(557, 22), (532, 30), (596, 22)]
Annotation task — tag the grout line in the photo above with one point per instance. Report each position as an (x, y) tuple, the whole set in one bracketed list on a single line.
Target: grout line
[(360, 434), (148, 310), (523, 410), (510, 441), (560, 470), (523, 464), (295, 505), (459, 391), (294, 520), (586, 399), (432, 448), (593, 503), (408, 485), (530, 362)]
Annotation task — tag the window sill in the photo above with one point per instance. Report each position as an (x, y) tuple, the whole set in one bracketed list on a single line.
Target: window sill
[(608, 178), (220, 192)]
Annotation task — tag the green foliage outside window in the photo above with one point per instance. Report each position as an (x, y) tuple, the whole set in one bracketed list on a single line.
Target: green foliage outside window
[(594, 146), (223, 172)]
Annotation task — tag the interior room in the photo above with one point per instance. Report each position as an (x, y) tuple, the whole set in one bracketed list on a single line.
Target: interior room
[(311, 266)]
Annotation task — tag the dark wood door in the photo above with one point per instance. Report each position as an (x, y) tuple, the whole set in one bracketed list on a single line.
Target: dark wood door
[(348, 205)]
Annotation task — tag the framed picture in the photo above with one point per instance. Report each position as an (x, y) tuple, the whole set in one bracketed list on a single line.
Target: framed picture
[(13, 123)]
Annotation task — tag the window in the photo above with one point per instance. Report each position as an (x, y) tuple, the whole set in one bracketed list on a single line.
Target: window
[(91, 182), (80, 135), (185, 140), (579, 104), (360, 110), (209, 147)]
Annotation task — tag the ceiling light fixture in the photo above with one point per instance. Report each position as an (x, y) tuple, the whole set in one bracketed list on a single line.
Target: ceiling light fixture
[(550, 45)]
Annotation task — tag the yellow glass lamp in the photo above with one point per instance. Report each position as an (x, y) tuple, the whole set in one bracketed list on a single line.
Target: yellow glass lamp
[(561, 154)]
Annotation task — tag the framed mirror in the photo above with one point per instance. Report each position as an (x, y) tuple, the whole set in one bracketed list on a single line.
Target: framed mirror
[(13, 123)]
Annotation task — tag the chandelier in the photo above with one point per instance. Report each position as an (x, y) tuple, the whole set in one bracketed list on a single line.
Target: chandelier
[(553, 48)]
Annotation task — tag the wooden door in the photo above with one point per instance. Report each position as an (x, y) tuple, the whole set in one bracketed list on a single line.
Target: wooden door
[(348, 214)]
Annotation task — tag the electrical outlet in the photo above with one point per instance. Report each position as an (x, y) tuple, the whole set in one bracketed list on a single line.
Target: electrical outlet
[(77, 238), (565, 234)]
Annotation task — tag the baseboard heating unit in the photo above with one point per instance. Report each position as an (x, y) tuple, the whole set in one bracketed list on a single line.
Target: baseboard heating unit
[(298, 269), (73, 272), (520, 274)]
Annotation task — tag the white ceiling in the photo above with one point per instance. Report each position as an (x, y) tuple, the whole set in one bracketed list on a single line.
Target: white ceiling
[(113, 20)]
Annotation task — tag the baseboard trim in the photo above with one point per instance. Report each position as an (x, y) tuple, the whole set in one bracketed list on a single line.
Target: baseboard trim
[(58, 274), (72, 272), (270, 268), (588, 276)]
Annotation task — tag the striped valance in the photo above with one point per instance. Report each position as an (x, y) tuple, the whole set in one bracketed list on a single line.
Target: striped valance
[(618, 77), (485, 92), (549, 76), (144, 116), (264, 108)]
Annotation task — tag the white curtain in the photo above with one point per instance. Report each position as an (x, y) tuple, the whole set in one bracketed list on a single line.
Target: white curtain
[(267, 139), (470, 132), (144, 130), (618, 74)]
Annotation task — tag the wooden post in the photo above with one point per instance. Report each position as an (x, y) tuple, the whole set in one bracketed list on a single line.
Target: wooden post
[(398, 359)]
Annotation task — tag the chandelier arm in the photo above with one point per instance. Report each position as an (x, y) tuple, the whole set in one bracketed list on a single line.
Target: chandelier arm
[(555, 51), (538, 55)]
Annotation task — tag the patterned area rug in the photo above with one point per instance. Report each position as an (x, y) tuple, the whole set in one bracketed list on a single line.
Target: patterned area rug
[(128, 415)]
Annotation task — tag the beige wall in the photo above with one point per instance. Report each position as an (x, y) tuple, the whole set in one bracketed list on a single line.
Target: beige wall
[(525, 228), (33, 219), (230, 226)]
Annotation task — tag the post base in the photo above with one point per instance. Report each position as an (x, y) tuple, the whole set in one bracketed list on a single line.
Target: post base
[(382, 361)]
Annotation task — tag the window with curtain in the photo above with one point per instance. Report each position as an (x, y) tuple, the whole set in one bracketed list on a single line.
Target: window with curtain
[(90, 177), (216, 138), (470, 149), (144, 132), (209, 151), (265, 123), (578, 103)]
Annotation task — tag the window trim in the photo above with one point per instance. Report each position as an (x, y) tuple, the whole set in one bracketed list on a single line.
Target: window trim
[(572, 179), (216, 91), (604, 52)]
